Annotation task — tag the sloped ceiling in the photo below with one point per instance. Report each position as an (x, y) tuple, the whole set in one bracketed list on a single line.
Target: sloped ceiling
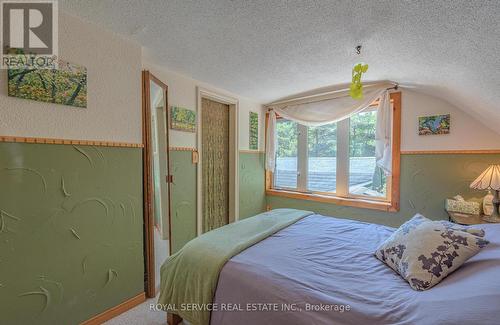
[(266, 50)]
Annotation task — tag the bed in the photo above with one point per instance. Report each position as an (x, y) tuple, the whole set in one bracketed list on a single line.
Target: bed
[(321, 270)]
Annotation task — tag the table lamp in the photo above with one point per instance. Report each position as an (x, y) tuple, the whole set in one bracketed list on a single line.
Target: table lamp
[(490, 180)]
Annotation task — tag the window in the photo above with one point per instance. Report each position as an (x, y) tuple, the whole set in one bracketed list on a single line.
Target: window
[(336, 162), (322, 158), (286, 154), (365, 178)]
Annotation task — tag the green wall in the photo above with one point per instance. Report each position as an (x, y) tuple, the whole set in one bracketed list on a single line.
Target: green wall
[(252, 193), (426, 181), (183, 196), (71, 231), (252, 196)]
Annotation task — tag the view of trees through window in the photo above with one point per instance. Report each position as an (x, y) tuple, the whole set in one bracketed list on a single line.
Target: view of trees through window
[(322, 158), (286, 154), (364, 177)]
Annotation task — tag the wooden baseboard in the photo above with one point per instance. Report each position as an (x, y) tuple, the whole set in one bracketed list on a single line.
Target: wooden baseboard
[(173, 319), (117, 310)]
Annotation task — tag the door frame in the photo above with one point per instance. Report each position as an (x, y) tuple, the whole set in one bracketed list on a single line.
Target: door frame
[(234, 195), (147, 153)]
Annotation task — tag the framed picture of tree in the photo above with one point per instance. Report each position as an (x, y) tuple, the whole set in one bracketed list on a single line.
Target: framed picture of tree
[(182, 119), (66, 85), (253, 132)]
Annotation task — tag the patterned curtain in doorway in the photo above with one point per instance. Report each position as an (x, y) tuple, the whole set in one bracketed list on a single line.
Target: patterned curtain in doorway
[(215, 164)]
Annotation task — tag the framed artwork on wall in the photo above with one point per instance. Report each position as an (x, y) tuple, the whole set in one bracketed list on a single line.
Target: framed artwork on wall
[(253, 132), (435, 124), (66, 85), (182, 119)]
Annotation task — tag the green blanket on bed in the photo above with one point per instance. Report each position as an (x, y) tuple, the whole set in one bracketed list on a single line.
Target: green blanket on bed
[(189, 277)]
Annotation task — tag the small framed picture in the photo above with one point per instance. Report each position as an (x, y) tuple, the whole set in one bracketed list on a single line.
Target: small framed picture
[(435, 124), (182, 119)]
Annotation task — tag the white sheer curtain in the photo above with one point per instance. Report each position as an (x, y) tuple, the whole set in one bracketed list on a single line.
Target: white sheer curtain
[(330, 110), (383, 133), (271, 142)]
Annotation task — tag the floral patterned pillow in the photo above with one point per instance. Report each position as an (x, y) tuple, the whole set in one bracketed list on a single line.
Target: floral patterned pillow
[(424, 252)]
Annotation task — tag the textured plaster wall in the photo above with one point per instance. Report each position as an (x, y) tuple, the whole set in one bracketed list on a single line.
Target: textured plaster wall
[(252, 192), (71, 243), (183, 202), (114, 90), (71, 224)]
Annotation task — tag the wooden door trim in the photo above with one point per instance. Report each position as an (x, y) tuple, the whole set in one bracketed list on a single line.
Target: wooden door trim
[(233, 154), (149, 257)]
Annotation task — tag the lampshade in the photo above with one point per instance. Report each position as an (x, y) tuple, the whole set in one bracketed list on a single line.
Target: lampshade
[(488, 180)]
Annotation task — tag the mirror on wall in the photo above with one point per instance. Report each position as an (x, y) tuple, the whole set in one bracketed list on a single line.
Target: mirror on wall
[(156, 179)]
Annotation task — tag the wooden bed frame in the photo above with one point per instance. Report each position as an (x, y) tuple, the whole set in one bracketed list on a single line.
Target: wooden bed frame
[(173, 319)]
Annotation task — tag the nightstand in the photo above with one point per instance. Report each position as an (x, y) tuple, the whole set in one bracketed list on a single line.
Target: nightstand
[(465, 219)]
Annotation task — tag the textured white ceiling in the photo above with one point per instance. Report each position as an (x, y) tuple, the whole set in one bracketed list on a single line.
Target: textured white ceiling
[(267, 49)]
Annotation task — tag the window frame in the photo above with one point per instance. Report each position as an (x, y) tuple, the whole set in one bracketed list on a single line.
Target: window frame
[(390, 203)]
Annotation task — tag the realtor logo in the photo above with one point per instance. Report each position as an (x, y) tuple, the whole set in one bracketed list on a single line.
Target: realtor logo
[(29, 34)]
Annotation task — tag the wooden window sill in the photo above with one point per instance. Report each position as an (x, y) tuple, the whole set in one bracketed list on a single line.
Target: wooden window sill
[(352, 202)]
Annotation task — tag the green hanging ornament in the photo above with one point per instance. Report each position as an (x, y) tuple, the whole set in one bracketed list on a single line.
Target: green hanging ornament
[(356, 89)]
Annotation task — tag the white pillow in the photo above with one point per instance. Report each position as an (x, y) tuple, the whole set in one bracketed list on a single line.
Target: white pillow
[(424, 252)]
